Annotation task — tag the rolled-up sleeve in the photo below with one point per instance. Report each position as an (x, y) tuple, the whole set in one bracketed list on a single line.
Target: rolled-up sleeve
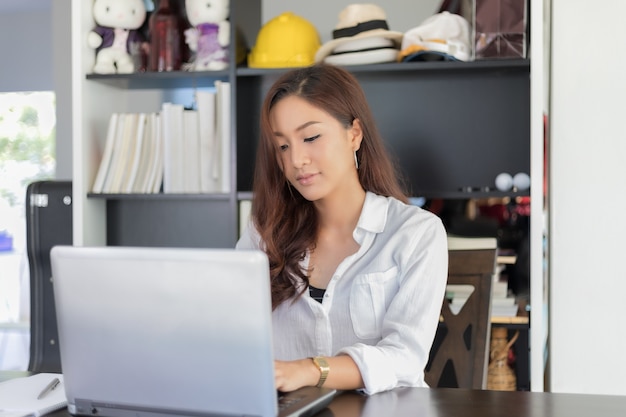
[(410, 322)]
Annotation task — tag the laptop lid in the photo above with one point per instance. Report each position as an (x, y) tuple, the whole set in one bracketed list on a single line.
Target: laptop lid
[(165, 331)]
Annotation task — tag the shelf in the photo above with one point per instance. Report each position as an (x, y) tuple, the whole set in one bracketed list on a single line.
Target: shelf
[(181, 79), (169, 79), (244, 195), (452, 195), (161, 196), (462, 195), (502, 64), (512, 322)]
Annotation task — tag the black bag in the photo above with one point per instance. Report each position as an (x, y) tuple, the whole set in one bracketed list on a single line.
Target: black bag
[(48, 223)]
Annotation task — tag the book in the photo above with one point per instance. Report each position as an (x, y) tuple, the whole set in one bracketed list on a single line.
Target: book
[(156, 170), (105, 162), (191, 152), (470, 243), (122, 154), (116, 154), (223, 134), (173, 162), (135, 155), (19, 396), (209, 180), (140, 185), (245, 208), (127, 151)]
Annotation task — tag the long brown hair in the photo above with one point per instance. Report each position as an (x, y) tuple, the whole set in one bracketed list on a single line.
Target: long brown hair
[(286, 221)]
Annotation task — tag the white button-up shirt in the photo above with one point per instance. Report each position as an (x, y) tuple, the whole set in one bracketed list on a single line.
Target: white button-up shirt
[(382, 304)]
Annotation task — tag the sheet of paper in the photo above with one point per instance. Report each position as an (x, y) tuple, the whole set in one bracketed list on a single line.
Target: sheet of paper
[(18, 397)]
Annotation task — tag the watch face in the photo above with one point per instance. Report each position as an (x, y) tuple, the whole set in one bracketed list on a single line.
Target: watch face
[(320, 362)]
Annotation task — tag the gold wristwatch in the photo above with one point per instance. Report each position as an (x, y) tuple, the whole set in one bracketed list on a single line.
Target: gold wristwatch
[(322, 365)]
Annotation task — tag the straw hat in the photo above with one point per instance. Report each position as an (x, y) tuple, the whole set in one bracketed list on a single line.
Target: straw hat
[(361, 36)]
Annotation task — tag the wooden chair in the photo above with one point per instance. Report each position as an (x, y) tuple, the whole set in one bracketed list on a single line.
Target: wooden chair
[(459, 356)]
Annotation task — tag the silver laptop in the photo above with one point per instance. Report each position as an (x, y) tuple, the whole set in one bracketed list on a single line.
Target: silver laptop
[(148, 332)]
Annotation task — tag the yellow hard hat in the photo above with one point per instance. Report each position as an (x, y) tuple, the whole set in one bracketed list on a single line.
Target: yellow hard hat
[(287, 40)]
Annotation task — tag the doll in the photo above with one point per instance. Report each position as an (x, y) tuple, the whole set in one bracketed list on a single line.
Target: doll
[(210, 35), (116, 37)]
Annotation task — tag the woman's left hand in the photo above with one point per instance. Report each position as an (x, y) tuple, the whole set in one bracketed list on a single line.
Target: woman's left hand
[(291, 375)]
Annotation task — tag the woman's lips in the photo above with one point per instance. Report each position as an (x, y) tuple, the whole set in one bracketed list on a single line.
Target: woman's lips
[(306, 179)]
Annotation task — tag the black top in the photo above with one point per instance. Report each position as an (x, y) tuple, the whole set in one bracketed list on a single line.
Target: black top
[(316, 293)]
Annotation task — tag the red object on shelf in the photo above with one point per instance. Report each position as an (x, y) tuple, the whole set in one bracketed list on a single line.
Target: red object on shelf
[(167, 46)]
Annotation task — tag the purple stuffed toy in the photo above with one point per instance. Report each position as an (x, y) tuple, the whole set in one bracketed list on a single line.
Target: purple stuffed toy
[(210, 35)]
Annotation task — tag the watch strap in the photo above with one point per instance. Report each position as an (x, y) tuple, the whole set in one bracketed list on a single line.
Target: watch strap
[(323, 367)]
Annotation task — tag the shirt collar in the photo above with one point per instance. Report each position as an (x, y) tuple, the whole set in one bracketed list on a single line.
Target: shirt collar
[(373, 216)]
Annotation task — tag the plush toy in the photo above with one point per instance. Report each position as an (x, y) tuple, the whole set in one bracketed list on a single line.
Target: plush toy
[(210, 35), (116, 37)]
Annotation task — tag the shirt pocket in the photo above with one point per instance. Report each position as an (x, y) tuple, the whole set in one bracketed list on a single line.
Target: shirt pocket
[(370, 296)]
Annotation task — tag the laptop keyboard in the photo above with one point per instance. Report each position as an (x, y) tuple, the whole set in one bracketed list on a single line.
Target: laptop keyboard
[(285, 401)]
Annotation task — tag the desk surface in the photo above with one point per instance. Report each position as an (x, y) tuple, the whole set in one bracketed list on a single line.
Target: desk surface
[(453, 402)]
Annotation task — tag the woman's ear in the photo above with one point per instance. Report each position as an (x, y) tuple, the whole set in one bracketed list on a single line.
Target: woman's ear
[(356, 134)]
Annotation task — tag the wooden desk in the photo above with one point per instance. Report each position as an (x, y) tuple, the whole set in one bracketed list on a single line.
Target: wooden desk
[(452, 402)]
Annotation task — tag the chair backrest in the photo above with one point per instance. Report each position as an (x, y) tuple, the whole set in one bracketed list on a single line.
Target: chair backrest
[(48, 223), (459, 356)]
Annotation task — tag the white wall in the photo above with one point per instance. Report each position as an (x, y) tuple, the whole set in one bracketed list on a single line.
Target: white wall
[(26, 50), (33, 56), (588, 197), (61, 36)]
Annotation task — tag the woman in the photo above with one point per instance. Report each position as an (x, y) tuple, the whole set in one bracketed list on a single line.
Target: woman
[(357, 275)]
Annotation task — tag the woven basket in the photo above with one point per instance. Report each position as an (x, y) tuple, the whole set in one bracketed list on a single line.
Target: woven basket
[(500, 376)]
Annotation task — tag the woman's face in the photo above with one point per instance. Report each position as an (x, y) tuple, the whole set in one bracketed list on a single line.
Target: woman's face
[(315, 151)]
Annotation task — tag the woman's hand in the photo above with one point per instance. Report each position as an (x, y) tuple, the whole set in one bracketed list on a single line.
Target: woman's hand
[(343, 374), (291, 375)]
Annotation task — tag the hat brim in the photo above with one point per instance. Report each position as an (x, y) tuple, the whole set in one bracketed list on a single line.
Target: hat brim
[(429, 56), (328, 48), (376, 56)]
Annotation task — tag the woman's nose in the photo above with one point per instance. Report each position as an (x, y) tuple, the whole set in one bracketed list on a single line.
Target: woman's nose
[(299, 156)]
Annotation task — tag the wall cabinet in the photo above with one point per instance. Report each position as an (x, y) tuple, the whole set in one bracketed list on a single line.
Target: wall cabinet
[(452, 127)]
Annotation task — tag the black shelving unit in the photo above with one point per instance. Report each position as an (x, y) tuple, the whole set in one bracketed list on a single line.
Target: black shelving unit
[(451, 128)]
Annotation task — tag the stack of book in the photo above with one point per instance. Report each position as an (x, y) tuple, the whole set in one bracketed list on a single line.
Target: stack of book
[(503, 304), (177, 150)]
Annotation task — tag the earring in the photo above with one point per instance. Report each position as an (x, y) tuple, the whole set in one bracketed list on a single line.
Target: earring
[(356, 161)]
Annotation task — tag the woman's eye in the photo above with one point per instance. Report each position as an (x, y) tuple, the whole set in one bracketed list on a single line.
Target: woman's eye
[(282, 147), (312, 138)]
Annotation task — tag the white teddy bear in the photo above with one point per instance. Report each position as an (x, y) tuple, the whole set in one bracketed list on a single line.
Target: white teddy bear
[(116, 38), (210, 35)]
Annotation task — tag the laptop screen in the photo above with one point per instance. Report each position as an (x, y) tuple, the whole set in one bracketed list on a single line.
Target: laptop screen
[(178, 331)]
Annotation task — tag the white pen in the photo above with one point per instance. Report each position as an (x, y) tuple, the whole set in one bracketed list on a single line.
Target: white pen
[(51, 386)]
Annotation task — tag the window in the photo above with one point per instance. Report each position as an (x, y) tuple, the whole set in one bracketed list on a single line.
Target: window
[(27, 139)]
